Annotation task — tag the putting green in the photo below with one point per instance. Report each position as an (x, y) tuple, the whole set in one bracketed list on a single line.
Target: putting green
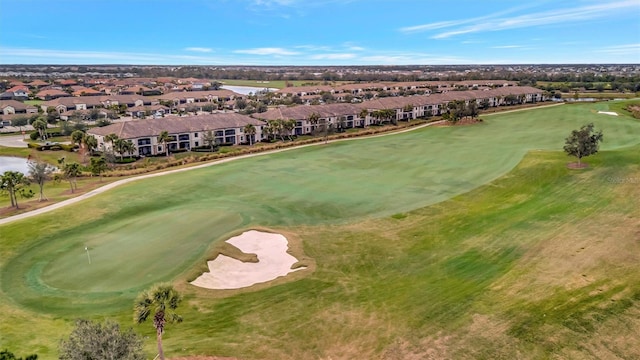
[(124, 243), (156, 229)]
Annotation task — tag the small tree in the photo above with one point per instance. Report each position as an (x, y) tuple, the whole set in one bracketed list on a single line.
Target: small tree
[(583, 142), (161, 301), (14, 183), (209, 140), (40, 172), (95, 341), (98, 166), (70, 172)]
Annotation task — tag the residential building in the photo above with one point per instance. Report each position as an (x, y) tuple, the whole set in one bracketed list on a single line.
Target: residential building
[(8, 107), (185, 132), (406, 107)]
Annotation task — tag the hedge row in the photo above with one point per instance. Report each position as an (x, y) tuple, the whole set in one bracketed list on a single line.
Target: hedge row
[(53, 147)]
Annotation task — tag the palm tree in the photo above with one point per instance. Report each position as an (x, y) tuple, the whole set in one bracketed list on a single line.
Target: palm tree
[(314, 118), (268, 130), (70, 171), (161, 301), (276, 128), (389, 114), (164, 139), (77, 136), (41, 126), (250, 131), (363, 115), (129, 147), (119, 146), (289, 126), (90, 142), (111, 138)]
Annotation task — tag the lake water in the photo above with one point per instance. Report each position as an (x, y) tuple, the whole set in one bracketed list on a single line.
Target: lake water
[(8, 163), (245, 90)]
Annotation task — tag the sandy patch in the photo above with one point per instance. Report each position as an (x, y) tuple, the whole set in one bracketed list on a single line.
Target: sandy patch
[(612, 113), (229, 273)]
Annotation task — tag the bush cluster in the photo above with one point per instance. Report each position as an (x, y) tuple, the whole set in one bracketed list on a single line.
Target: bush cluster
[(53, 147)]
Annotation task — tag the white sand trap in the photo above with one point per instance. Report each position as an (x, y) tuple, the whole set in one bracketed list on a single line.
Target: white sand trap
[(229, 273), (608, 113)]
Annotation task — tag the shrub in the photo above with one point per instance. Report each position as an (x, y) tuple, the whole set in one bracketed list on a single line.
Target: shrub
[(34, 135), (68, 147), (126, 160)]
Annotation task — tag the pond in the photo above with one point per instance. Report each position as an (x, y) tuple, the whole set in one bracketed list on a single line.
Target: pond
[(8, 163)]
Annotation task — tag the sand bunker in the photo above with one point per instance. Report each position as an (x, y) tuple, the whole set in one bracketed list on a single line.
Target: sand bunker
[(229, 273), (608, 113)]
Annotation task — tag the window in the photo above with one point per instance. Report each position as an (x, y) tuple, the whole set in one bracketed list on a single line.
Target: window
[(195, 136), (196, 143)]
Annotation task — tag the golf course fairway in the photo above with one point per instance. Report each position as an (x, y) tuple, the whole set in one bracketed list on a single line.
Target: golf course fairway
[(413, 233)]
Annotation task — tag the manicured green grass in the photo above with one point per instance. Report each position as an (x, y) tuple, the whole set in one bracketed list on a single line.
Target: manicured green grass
[(602, 95), (412, 251), (278, 84)]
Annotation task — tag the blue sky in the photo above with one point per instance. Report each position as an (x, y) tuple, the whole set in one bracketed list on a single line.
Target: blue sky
[(318, 32)]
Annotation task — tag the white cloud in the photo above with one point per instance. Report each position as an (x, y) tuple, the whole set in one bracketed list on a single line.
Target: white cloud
[(507, 47), (497, 21), (628, 49), (314, 47), (332, 56), (44, 56), (267, 51), (412, 59), (557, 16), (199, 49), (451, 23)]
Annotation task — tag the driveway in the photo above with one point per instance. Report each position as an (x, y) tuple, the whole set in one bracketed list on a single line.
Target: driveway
[(13, 141)]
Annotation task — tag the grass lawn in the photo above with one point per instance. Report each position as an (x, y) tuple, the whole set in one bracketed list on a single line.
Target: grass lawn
[(278, 84), (602, 95), (440, 241)]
